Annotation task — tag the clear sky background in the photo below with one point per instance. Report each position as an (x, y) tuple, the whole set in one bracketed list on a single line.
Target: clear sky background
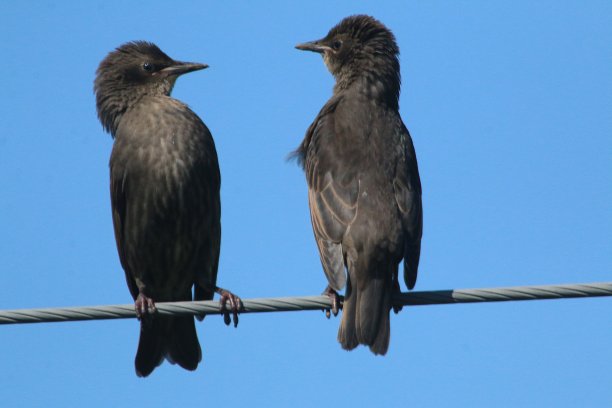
[(510, 108)]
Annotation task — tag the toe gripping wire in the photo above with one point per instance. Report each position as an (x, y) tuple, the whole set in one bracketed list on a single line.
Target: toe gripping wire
[(287, 304)]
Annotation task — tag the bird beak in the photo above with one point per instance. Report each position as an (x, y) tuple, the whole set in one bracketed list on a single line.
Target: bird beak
[(314, 46), (180, 68)]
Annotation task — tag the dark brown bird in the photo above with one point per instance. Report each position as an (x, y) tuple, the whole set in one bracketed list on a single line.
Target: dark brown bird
[(164, 182), (364, 189)]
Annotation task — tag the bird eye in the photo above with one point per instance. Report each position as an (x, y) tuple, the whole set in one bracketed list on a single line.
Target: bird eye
[(147, 66), (336, 45)]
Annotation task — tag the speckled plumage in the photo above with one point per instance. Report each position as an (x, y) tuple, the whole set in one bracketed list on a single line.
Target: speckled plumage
[(164, 181), (364, 189)]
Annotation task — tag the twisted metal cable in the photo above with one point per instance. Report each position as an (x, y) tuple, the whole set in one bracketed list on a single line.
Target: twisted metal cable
[(286, 304)]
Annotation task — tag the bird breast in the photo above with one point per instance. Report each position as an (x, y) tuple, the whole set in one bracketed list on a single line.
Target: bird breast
[(161, 145)]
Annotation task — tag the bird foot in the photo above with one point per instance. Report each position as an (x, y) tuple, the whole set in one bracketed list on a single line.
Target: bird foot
[(336, 301), (144, 306), (235, 305), (396, 291)]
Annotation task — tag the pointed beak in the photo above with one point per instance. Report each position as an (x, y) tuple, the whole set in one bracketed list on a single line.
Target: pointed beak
[(314, 46), (180, 68)]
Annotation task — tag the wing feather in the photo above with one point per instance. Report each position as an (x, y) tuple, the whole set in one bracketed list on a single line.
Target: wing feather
[(118, 184), (407, 187), (333, 205)]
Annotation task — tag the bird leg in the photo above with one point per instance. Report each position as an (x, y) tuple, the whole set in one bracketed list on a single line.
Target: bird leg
[(396, 291), (144, 305), (336, 301), (235, 305)]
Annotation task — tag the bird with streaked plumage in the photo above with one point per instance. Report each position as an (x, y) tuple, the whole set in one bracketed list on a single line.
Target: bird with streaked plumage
[(164, 182), (364, 189)]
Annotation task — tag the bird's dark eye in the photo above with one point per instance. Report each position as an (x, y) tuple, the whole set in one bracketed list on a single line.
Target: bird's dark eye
[(336, 45), (147, 66)]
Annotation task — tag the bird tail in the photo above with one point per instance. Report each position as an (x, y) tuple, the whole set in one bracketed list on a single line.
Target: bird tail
[(173, 338), (365, 315)]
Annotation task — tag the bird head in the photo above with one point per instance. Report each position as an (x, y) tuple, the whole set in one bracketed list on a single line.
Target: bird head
[(131, 71), (357, 47)]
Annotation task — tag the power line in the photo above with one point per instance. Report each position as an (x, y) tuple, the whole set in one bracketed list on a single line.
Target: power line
[(286, 304)]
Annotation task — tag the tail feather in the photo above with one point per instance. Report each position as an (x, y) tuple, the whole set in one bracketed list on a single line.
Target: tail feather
[(365, 315), (347, 333), (150, 352), (173, 338), (380, 345), (183, 347)]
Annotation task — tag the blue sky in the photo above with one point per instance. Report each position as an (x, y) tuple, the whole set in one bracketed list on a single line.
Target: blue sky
[(510, 109)]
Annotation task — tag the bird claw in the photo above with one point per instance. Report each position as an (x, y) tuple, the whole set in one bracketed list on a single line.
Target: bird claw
[(144, 306), (235, 306), (336, 302)]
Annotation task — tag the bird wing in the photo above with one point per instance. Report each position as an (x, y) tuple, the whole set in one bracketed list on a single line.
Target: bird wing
[(118, 182), (407, 187), (332, 194), (204, 200), (211, 179)]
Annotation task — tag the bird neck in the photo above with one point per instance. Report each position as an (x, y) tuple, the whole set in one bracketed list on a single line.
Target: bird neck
[(113, 104), (376, 83)]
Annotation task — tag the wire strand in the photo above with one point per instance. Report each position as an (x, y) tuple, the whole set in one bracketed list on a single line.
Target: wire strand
[(287, 304)]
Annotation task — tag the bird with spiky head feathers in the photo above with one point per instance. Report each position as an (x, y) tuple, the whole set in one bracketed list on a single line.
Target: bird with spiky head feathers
[(164, 182), (364, 189)]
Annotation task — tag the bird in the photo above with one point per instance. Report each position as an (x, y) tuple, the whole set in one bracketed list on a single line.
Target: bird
[(364, 188), (164, 185)]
